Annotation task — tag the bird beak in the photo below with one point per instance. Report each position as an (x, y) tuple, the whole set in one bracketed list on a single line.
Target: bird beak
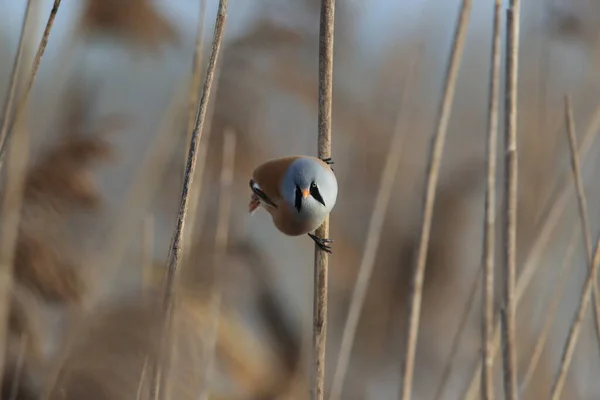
[(305, 193)]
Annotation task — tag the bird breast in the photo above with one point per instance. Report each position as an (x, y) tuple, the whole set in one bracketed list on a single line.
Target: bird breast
[(293, 223)]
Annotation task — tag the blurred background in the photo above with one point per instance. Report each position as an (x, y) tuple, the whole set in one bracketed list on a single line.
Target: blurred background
[(108, 120)]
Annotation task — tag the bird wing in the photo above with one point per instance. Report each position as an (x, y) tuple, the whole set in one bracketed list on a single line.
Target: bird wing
[(269, 176)]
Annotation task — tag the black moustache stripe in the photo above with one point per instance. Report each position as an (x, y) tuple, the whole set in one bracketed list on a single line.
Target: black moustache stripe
[(314, 192), (298, 200)]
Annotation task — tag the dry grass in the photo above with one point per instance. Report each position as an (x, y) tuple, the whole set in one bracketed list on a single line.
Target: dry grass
[(509, 309), (8, 124), (161, 374), (374, 234), (85, 227), (433, 169), (487, 375), (321, 260)]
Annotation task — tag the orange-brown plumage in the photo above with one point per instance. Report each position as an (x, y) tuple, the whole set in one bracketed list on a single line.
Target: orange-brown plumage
[(298, 192), (269, 175)]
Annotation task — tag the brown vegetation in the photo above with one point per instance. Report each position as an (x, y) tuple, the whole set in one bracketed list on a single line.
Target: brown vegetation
[(265, 90)]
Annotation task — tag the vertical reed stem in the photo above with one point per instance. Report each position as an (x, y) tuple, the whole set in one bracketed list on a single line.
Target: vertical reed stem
[(510, 202), (324, 149)]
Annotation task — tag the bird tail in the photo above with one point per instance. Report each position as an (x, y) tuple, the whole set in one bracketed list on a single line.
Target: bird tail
[(254, 204)]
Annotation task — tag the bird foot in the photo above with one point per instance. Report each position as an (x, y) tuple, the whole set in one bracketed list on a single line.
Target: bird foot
[(324, 244), (328, 161)]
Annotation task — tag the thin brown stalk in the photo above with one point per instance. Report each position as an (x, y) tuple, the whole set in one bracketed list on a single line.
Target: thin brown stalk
[(384, 194), (196, 213), (321, 264), (11, 215), (582, 206), (16, 380), (487, 375), (532, 261), (581, 201), (140, 388), (160, 372), (147, 251), (223, 220), (569, 347), (434, 163), (14, 76), (197, 210), (462, 325), (36, 64), (555, 298), (137, 200), (571, 342), (510, 202), (197, 69), (136, 204)]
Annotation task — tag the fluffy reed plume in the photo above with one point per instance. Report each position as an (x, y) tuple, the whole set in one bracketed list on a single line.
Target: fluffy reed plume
[(111, 359), (57, 185), (137, 21), (62, 179), (107, 360)]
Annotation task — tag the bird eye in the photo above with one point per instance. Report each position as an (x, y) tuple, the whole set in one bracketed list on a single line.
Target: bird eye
[(314, 192)]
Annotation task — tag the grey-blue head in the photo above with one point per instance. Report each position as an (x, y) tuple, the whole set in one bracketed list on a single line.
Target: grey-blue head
[(310, 187)]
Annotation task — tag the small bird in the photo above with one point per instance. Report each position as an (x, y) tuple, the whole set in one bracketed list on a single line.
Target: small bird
[(298, 191)]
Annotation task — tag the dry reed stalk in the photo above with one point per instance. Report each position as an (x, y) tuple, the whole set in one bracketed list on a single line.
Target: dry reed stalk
[(576, 168), (194, 94), (433, 167), (234, 342), (462, 325), (11, 215), (197, 69), (147, 251), (222, 233), (562, 185), (36, 64), (109, 261), (140, 388), (137, 201), (582, 204), (532, 261), (321, 264), (197, 210), (554, 302), (14, 76), (196, 215), (18, 373), (382, 199), (569, 347), (158, 375), (487, 375), (510, 201)]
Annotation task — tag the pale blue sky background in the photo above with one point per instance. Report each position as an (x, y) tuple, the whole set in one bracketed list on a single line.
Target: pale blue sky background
[(373, 21)]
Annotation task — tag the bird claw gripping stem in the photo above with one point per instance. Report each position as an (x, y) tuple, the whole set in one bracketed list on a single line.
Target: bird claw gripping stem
[(328, 161), (324, 244)]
